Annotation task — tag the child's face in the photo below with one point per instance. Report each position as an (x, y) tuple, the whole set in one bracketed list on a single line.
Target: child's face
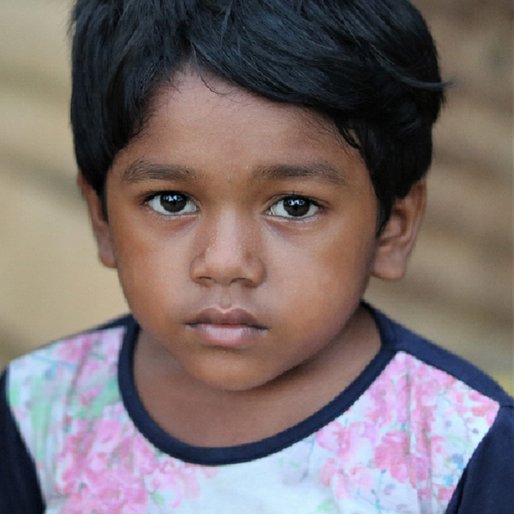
[(243, 232)]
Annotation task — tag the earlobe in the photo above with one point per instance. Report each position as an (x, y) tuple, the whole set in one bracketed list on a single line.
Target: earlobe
[(396, 241), (99, 223)]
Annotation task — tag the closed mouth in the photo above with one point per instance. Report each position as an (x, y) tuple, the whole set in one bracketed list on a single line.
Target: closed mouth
[(233, 328), (232, 318)]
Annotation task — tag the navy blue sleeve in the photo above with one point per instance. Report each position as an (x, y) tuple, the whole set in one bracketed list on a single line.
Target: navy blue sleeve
[(487, 485), (19, 487)]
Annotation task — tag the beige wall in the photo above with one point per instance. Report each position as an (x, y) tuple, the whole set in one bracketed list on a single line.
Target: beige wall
[(458, 290)]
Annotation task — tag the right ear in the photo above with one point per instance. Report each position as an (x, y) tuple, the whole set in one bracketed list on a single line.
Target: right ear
[(99, 222)]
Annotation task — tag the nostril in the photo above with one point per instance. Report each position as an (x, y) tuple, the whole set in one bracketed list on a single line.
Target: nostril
[(228, 267)]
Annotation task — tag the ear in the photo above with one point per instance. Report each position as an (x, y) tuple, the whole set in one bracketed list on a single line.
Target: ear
[(100, 224), (396, 241)]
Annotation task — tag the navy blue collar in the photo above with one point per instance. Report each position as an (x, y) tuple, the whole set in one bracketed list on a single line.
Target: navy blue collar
[(255, 450)]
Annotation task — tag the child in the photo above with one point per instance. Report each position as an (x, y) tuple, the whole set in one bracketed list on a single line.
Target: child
[(248, 165)]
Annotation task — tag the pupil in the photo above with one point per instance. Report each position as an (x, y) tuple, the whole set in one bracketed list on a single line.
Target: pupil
[(296, 206), (173, 202)]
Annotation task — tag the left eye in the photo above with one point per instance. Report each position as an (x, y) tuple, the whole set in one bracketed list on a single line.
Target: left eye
[(171, 204), (294, 207)]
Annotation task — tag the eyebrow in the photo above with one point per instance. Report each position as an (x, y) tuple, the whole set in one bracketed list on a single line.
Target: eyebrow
[(315, 170), (141, 170)]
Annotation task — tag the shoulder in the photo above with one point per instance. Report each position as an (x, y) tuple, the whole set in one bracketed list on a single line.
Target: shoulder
[(486, 485), (437, 363), (69, 362), (459, 420), (441, 386), (41, 393), (54, 382)]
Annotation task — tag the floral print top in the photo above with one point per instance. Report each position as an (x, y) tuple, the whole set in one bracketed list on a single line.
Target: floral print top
[(419, 432)]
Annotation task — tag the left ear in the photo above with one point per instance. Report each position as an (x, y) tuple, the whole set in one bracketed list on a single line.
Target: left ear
[(397, 238)]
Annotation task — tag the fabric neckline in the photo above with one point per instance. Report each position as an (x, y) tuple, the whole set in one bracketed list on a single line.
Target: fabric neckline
[(254, 450)]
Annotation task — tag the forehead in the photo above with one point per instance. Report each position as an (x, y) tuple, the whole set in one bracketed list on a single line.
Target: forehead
[(207, 104), (203, 123)]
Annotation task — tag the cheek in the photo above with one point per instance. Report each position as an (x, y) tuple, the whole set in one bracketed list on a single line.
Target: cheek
[(326, 264), (325, 281), (319, 286), (149, 269)]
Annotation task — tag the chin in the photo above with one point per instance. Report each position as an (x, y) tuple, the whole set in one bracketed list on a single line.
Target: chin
[(231, 379)]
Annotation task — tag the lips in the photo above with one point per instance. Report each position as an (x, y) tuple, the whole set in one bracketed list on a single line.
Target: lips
[(233, 328), (214, 316)]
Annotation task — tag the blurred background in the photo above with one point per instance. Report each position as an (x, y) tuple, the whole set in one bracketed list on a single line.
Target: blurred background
[(459, 287)]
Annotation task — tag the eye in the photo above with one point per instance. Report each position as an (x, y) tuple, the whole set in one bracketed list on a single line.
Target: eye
[(294, 207), (171, 204)]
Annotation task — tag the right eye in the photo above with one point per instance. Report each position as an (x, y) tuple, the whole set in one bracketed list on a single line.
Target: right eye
[(171, 204)]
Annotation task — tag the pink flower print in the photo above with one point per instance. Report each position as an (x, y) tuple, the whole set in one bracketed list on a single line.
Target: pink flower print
[(89, 395), (484, 407), (179, 477), (92, 473), (345, 480), (107, 466), (332, 436), (431, 388), (106, 499), (457, 403), (332, 474), (75, 350), (408, 460), (349, 468), (329, 470), (379, 408), (344, 440), (390, 395), (393, 455)]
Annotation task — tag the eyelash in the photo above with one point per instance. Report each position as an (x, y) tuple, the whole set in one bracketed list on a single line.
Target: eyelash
[(296, 201), (151, 200)]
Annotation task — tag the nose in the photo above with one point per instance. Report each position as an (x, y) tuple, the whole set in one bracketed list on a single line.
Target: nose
[(228, 252)]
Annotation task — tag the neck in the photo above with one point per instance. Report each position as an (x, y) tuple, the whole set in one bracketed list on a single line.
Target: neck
[(201, 415)]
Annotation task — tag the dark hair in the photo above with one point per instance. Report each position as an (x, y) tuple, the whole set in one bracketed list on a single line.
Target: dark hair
[(371, 66)]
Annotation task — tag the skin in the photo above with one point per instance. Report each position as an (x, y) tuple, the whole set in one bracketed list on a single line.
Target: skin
[(248, 292)]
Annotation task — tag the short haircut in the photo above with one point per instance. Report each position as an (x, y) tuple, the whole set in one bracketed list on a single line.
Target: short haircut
[(371, 66)]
